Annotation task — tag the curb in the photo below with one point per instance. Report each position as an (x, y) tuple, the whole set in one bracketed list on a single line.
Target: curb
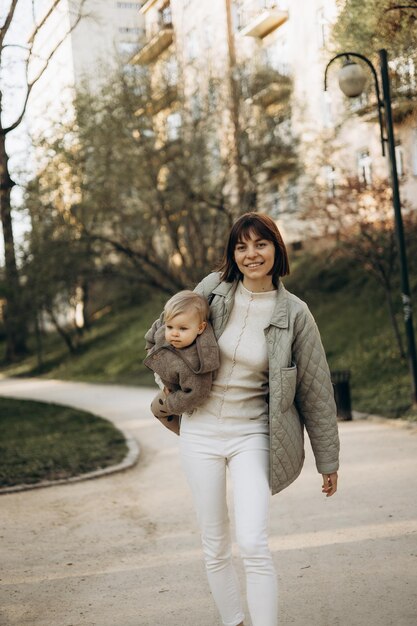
[(398, 422), (129, 461)]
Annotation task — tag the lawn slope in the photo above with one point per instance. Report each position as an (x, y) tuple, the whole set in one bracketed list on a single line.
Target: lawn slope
[(347, 303)]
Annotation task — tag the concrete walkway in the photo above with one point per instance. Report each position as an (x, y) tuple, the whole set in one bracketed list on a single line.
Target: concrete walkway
[(124, 550)]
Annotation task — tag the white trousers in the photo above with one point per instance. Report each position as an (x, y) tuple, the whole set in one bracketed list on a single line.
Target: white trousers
[(205, 457)]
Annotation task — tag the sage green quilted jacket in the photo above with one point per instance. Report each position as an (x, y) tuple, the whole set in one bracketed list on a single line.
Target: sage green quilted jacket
[(300, 390)]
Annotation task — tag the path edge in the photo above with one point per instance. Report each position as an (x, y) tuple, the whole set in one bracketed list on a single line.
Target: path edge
[(131, 458)]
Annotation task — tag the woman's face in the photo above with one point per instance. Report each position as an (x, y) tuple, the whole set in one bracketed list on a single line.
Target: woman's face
[(255, 258)]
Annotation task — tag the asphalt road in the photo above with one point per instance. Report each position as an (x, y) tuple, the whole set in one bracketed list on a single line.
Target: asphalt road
[(124, 550)]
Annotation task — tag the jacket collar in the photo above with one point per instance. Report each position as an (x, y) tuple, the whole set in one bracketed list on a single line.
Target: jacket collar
[(226, 289), (280, 314)]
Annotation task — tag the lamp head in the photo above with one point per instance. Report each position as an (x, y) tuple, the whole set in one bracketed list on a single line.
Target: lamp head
[(352, 79)]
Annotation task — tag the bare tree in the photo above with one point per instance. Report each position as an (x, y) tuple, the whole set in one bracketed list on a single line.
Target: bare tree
[(15, 315), (359, 220), (156, 197)]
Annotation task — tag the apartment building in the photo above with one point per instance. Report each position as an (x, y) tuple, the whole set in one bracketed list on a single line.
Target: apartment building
[(109, 34), (277, 49)]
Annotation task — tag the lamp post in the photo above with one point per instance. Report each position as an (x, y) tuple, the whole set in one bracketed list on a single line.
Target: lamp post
[(352, 80)]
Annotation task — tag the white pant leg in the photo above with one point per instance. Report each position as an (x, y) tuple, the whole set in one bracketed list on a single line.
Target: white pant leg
[(249, 468), (204, 464)]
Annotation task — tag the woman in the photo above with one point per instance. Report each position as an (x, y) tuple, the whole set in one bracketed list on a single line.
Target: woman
[(273, 380)]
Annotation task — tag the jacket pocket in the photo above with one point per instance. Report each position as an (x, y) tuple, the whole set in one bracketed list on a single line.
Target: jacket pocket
[(288, 386)]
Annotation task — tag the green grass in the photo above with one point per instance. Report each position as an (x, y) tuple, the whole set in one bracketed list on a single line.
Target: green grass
[(351, 312), (112, 351), (347, 303), (49, 442)]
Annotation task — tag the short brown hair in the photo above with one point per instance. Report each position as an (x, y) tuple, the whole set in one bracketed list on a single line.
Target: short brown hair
[(264, 227), (181, 303)]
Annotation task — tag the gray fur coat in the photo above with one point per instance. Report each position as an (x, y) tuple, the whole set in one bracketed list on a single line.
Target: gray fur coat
[(186, 372)]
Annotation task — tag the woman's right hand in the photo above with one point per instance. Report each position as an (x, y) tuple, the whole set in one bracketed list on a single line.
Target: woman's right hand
[(329, 486)]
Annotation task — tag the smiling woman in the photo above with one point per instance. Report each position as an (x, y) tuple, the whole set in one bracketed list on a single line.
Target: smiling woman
[(272, 381), (41, 442), (255, 260)]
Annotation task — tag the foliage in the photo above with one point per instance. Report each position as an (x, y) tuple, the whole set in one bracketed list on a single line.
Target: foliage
[(112, 349), (25, 63), (366, 27), (360, 220), (349, 307), (348, 304), (49, 442), (153, 199)]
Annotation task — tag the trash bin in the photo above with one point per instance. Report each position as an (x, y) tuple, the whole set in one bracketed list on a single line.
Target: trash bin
[(340, 380)]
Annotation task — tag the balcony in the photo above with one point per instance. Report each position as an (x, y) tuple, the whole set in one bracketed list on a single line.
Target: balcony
[(146, 5), (259, 18), (164, 98), (160, 37), (269, 86)]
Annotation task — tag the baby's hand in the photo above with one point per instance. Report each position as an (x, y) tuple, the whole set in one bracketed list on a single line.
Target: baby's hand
[(166, 391)]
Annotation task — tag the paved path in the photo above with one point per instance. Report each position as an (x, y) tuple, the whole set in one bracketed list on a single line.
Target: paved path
[(124, 550)]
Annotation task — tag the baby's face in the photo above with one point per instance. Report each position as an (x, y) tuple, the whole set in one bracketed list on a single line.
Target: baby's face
[(182, 330)]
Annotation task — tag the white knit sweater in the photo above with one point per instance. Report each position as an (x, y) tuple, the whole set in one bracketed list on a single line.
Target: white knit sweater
[(241, 385)]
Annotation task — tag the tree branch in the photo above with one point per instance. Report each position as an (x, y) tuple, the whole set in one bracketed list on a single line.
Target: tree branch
[(31, 84), (7, 22), (43, 21), (16, 45), (398, 7)]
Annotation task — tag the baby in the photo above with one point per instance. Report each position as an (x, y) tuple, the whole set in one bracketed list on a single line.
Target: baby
[(183, 352)]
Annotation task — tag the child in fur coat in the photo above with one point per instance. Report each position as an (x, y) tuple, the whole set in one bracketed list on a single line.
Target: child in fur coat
[(183, 352)]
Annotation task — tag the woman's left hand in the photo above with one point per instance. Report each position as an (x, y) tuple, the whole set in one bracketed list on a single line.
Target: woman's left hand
[(329, 486)]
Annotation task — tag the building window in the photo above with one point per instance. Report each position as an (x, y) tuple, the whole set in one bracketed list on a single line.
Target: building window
[(171, 72), (330, 178), (173, 126), (296, 246), (128, 5), (192, 45), (365, 168), (275, 202), (328, 120), (403, 76), (359, 103), (131, 30), (165, 16), (235, 11), (127, 48), (323, 28), (212, 95), (208, 32), (291, 196), (414, 152), (399, 157), (277, 53), (195, 106)]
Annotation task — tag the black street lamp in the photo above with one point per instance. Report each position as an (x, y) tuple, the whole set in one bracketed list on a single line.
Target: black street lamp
[(352, 80)]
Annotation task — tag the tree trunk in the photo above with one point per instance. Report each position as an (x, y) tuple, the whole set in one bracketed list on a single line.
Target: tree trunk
[(39, 343), (66, 336), (234, 109), (15, 317)]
